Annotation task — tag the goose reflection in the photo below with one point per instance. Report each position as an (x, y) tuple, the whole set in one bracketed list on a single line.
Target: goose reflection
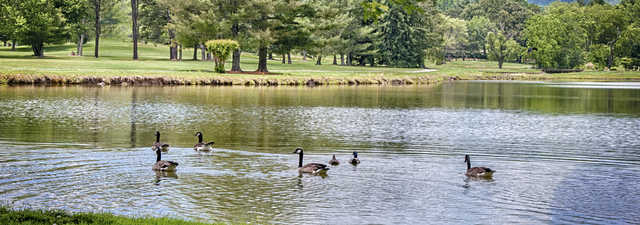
[(164, 175)]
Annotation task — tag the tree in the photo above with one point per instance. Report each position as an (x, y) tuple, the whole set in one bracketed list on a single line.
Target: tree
[(77, 14), (610, 25), (8, 22), (221, 49), (134, 33), (500, 48), (452, 40), (262, 20), (96, 6), (404, 36), (557, 36), (477, 29), (36, 29), (509, 16)]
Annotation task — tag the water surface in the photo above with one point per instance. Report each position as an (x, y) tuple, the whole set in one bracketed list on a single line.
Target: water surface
[(564, 152)]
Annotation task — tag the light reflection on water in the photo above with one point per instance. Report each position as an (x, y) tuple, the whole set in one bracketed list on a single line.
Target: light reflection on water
[(562, 155)]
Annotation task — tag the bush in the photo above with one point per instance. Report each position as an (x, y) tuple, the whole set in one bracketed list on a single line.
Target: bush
[(221, 49), (598, 56), (630, 63)]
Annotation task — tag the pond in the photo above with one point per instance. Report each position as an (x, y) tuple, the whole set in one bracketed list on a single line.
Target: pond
[(564, 152)]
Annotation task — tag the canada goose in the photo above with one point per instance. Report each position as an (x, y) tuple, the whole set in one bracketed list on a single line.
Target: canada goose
[(312, 168), (163, 165), (202, 146), (355, 160), (477, 171), (159, 145), (334, 161)]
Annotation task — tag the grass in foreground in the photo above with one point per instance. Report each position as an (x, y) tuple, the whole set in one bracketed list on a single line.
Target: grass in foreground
[(115, 61), (48, 217)]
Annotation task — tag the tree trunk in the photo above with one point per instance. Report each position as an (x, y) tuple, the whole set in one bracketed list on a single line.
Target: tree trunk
[(13, 45), (180, 52), (373, 61), (349, 58), (289, 57), (319, 61), (304, 55), (195, 53), (262, 59), (203, 52), (96, 4), (235, 58), (134, 19), (284, 58), (500, 61), (235, 62), (342, 59), (270, 55), (610, 57), (484, 51), (335, 60), (79, 47), (37, 49), (173, 52), (209, 56)]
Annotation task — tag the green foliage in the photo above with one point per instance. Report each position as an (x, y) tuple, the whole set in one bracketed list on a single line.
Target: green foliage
[(221, 49), (47, 26), (598, 55), (557, 37), (509, 16), (499, 48), (153, 21), (404, 37), (477, 29)]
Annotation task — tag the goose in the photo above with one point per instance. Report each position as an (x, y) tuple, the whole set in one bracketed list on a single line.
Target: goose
[(355, 160), (477, 171), (163, 165), (159, 145), (202, 146), (312, 168), (334, 161)]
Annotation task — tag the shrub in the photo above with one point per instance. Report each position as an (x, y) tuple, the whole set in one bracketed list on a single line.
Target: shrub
[(221, 49)]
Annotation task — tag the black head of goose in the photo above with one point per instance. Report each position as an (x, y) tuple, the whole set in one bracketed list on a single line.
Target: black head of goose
[(312, 168), (334, 161), (477, 171), (355, 160), (163, 165), (159, 145), (200, 146)]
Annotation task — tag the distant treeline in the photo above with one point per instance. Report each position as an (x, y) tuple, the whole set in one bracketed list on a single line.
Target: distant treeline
[(399, 33)]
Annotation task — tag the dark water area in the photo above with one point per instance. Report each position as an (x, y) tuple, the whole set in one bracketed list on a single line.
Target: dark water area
[(564, 152)]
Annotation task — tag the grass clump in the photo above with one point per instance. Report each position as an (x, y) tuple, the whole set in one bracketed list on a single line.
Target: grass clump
[(48, 217)]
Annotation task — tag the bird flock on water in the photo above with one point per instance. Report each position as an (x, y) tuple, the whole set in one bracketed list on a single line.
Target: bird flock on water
[(309, 168)]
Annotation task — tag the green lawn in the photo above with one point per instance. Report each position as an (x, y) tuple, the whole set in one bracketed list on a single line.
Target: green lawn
[(48, 217), (115, 60)]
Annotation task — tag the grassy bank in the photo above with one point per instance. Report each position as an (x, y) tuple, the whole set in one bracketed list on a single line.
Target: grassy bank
[(115, 67), (48, 217)]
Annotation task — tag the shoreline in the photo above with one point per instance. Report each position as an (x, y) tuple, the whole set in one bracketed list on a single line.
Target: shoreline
[(282, 80), (10, 215)]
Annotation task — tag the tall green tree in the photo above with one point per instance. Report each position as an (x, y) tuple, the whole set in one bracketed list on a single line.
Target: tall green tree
[(477, 29), (404, 36), (262, 18), (36, 29), (500, 48), (610, 25), (557, 37)]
